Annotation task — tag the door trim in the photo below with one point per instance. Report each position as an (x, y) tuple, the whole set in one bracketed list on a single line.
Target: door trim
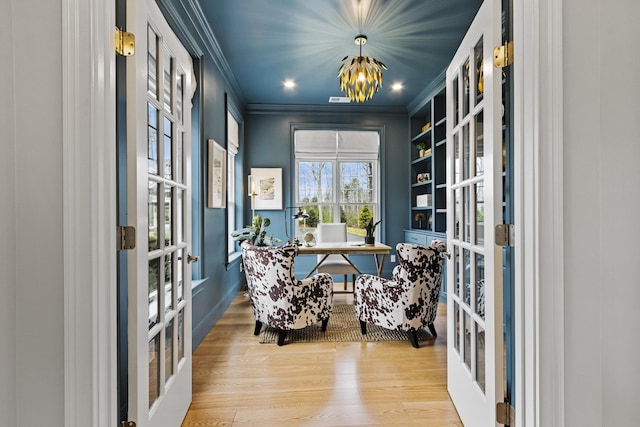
[(539, 290), (89, 213)]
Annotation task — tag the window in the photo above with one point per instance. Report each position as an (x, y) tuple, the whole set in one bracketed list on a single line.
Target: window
[(233, 143), (337, 178)]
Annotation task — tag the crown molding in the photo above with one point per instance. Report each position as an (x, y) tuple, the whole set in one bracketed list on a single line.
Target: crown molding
[(187, 20), (323, 109), (421, 99)]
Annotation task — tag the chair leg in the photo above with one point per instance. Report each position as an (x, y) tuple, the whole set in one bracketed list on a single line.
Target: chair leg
[(413, 338), (325, 322), (256, 331), (282, 334), (432, 329), (353, 283), (345, 282), (363, 327)]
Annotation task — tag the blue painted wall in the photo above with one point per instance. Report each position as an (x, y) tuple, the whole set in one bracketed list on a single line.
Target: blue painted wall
[(223, 282), (268, 145)]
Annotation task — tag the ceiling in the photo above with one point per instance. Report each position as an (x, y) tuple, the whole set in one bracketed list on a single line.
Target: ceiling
[(267, 42)]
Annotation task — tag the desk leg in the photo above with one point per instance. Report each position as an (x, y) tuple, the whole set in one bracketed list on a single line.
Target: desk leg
[(317, 265), (346, 258), (379, 264)]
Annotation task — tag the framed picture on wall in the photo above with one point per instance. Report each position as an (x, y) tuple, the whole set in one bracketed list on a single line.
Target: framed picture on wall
[(217, 187), (266, 185)]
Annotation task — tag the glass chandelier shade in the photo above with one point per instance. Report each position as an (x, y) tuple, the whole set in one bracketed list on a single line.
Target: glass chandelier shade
[(361, 76)]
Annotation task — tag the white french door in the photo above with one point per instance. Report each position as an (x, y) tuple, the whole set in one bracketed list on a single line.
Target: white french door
[(474, 206), (160, 85)]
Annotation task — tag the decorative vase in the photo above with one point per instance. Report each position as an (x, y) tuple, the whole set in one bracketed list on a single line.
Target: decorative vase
[(421, 153), (369, 240)]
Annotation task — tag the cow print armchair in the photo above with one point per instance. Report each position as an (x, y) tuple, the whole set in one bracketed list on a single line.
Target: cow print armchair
[(277, 298), (409, 301)]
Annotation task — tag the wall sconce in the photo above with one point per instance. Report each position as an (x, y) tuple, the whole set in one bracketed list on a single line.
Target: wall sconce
[(251, 188), (300, 214)]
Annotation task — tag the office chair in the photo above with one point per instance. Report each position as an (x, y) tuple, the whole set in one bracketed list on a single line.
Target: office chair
[(335, 264)]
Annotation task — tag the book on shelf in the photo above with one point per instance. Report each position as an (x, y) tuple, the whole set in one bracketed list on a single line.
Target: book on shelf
[(423, 200)]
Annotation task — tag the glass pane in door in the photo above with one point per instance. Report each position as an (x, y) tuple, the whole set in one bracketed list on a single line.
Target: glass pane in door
[(168, 148), (457, 153), (466, 75), (456, 270), (479, 143), (457, 206), (456, 326), (456, 101), (153, 215), (479, 304), (466, 290), (479, 73), (180, 335), (466, 325), (479, 190), (168, 351), (152, 140), (154, 300), (179, 97), (167, 61), (154, 369), (168, 282), (168, 211), (152, 63), (466, 214), (466, 153), (480, 359), (180, 264), (179, 215), (179, 167)]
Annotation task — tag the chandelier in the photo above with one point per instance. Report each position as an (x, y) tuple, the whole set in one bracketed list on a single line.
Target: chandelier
[(360, 77)]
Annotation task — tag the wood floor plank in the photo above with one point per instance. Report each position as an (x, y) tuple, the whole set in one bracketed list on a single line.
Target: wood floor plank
[(239, 382)]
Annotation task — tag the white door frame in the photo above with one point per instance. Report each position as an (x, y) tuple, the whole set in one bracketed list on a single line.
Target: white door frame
[(539, 290), (90, 217), (89, 212)]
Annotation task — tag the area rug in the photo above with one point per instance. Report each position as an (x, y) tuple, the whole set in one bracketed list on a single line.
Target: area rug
[(343, 327)]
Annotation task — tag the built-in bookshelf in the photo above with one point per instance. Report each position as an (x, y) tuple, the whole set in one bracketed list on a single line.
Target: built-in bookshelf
[(428, 140), (428, 129)]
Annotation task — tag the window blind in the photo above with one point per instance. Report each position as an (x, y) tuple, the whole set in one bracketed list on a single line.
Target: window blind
[(233, 140), (332, 144)]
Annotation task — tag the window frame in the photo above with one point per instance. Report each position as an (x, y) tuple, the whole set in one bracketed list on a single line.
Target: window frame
[(378, 170), (235, 201)]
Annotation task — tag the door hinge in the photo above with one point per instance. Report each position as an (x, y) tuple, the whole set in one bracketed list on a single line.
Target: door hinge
[(125, 43), (127, 424), (505, 414), (505, 235), (503, 55), (125, 237)]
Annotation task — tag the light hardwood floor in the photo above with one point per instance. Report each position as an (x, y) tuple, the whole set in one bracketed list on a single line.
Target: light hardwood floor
[(239, 382)]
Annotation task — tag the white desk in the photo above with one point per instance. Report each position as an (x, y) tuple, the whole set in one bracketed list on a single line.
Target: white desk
[(346, 248)]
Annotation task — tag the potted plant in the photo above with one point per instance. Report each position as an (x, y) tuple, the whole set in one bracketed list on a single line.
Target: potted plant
[(369, 238), (256, 234), (421, 146)]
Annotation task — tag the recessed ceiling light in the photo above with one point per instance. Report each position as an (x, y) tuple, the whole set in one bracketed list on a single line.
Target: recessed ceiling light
[(289, 84), (396, 86)]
